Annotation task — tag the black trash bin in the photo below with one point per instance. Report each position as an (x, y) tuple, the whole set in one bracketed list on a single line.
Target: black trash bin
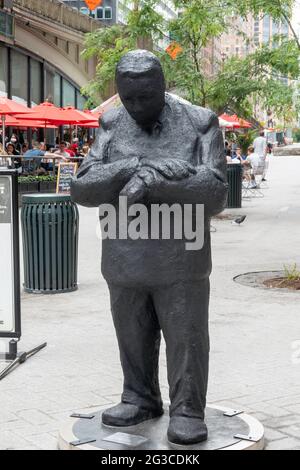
[(234, 178), (50, 243)]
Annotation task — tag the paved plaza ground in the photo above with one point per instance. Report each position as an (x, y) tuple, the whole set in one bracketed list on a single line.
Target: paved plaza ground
[(254, 332)]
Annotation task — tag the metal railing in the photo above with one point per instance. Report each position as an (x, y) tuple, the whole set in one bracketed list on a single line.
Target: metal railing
[(60, 13)]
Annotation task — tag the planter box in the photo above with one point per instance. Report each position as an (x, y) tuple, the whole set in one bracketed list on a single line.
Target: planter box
[(47, 186), (37, 187), (30, 187)]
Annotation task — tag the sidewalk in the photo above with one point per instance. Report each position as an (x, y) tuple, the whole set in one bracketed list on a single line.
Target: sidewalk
[(253, 331)]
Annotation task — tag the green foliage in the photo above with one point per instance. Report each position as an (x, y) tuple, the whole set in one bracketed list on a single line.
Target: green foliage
[(261, 77), (108, 45), (291, 273), (245, 140), (198, 24), (36, 179), (145, 21), (296, 135), (239, 83)]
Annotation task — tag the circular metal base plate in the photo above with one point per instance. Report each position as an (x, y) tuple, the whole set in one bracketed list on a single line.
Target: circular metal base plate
[(238, 432)]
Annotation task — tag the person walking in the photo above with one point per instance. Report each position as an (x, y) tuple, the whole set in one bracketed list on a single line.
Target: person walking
[(260, 146)]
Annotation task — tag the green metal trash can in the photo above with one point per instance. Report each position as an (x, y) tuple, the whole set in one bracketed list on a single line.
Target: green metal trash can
[(234, 178), (50, 225)]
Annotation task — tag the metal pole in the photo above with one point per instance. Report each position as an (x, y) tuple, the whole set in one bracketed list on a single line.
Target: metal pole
[(3, 130)]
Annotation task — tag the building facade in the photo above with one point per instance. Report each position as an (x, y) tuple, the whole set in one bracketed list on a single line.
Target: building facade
[(40, 52), (211, 58), (106, 12), (115, 11), (238, 40), (244, 36)]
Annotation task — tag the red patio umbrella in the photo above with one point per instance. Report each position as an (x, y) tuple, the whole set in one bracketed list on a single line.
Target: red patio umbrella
[(95, 115), (46, 112), (242, 122), (231, 119), (237, 123), (50, 114), (83, 119), (94, 124), (13, 122), (9, 108), (75, 116)]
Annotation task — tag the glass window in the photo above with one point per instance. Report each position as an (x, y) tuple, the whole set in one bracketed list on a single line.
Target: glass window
[(6, 24), (80, 100), (49, 85), (266, 29), (285, 28), (107, 13), (19, 77), (99, 13), (3, 71), (68, 94), (84, 10), (57, 90), (35, 82), (275, 27)]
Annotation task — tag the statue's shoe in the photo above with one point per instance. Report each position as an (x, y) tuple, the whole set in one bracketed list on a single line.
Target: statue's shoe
[(185, 431), (125, 414)]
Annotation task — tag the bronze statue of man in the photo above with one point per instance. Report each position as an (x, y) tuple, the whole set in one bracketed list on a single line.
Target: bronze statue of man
[(156, 148)]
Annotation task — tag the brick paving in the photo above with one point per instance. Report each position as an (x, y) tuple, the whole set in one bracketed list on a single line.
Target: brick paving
[(254, 365)]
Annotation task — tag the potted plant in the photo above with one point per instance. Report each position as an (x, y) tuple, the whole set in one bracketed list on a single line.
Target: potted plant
[(246, 139)]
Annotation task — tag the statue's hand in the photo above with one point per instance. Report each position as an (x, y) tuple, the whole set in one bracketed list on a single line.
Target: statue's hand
[(136, 189), (171, 168)]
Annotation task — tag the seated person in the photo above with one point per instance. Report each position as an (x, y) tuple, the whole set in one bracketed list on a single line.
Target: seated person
[(11, 150), (33, 157), (3, 161), (251, 166), (237, 158), (62, 151), (24, 148)]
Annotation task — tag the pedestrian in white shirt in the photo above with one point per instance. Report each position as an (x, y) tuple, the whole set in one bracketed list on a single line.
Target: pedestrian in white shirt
[(260, 145)]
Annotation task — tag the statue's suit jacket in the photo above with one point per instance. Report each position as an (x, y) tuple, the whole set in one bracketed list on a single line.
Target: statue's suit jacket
[(183, 131)]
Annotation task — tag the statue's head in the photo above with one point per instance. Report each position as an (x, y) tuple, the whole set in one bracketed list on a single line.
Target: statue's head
[(141, 86)]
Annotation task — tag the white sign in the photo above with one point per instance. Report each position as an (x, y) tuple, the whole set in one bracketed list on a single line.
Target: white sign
[(7, 307)]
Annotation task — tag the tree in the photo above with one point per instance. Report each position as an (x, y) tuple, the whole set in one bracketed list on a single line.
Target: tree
[(236, 86), (108, 45), (259, 78), (276, 9), (198, 24), (241, 82)]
